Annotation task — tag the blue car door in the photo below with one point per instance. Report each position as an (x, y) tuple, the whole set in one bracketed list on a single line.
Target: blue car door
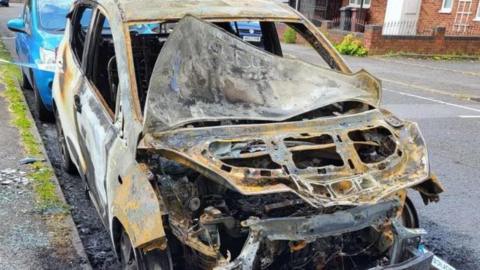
[(24, 40)]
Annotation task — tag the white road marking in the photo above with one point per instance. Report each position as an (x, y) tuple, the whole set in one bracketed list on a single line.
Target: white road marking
[(469, 116), (432, 90), (434, 100)]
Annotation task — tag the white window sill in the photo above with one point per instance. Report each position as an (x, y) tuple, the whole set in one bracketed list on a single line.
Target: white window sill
[(477, 19), (357, 6), (445, 11)]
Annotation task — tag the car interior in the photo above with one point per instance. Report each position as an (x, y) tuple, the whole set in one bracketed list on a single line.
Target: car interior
[(147, 42)]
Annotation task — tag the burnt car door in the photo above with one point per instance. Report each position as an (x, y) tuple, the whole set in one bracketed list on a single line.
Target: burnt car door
[(70, 78), (94, 108)]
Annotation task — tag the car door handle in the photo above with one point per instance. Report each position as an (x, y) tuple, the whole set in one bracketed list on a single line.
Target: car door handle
[(78, 103)]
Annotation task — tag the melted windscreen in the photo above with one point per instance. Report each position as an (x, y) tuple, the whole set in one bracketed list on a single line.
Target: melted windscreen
[(204, 73)]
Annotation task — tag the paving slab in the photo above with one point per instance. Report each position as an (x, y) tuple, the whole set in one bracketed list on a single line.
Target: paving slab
[(30, 238)]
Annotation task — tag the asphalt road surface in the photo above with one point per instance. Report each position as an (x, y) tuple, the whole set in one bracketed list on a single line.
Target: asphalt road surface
[(442, 96)]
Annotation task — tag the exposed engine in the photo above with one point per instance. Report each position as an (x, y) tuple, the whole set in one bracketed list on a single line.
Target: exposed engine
[(211, 226)]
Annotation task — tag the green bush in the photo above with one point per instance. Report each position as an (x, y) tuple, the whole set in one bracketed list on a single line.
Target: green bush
[(351, 46), (290, 36)]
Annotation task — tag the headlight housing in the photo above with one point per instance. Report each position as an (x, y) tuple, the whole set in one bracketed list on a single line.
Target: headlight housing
[(47, 60)]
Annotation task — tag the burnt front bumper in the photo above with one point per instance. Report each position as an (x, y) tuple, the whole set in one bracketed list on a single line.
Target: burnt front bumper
[(324, 225), (419, 261)]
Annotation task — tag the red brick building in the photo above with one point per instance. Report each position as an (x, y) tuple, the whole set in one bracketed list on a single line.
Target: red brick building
[(399, 17)]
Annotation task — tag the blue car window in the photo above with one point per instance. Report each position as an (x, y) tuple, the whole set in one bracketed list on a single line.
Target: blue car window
[(86, 18), (106, 30), (52, 14)]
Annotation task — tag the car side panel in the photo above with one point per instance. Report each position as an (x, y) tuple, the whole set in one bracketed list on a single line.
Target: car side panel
[(95, 132), (65, 85)]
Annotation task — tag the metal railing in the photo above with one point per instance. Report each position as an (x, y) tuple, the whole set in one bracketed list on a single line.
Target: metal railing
[(349, 24), (403, 28), (466, 30)]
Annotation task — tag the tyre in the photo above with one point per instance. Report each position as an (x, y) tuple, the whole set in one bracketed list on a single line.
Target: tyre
[(67, 163), (409, 217), (25, 83), (43, 114), (135, 259)]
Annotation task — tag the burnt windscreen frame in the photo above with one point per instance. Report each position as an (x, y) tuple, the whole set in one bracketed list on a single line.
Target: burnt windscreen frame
[(270, 37), (310, 38)]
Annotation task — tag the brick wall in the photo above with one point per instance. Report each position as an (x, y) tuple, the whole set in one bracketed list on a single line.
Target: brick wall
[(437, 43), (430, 17), (376, 13)]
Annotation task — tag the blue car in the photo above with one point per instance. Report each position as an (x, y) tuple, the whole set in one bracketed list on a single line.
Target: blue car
[(39, 32), (249, 31), (4, 3)]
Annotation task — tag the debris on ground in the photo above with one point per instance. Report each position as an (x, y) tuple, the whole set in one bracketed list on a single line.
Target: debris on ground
[(31, 160), (11, 176)]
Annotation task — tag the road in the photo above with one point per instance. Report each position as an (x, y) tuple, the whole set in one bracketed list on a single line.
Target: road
[(442, 96)]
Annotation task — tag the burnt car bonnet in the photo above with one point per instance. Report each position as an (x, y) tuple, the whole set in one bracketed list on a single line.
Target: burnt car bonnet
[(204, 73)]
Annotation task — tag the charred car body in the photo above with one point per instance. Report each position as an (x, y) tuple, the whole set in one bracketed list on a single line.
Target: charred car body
[(202, 151)]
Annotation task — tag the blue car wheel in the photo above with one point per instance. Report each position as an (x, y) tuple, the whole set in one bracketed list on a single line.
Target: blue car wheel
[(40, 110), (25, 83)]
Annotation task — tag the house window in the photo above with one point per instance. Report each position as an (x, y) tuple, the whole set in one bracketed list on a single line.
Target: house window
[(446, 6), (358, 3), (477, 18)]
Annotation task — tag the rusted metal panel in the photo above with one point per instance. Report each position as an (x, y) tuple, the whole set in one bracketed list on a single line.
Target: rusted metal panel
[(407, 166), (216, 76), (175, 10), (136, 205)]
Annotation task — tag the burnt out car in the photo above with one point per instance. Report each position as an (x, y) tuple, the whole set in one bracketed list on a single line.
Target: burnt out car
[(202, 151)]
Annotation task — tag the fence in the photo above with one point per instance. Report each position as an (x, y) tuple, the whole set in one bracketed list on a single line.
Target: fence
[(349, 24), (463, 30), (414, 28), (404, 28), (317, 10)]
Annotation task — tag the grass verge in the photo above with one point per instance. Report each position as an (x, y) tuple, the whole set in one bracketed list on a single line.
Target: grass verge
[(41, 174)]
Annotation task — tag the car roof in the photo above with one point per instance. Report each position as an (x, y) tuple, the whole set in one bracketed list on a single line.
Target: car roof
[(160, 10)]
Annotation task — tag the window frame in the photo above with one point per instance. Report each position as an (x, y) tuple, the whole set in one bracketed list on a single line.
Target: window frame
[(95, 29), (27, 16), (444, 9), (477, 16), (357, 3), (75, 19)]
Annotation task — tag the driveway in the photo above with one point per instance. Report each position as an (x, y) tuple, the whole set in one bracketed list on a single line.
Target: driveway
[(439, 95)]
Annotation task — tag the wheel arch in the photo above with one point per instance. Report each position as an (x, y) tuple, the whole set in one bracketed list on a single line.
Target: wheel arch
[(136, 208)]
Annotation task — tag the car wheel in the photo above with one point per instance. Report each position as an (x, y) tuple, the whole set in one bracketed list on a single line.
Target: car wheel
[(25, 83), (135, 259), (67, 163), (42, 112), (409, 217)]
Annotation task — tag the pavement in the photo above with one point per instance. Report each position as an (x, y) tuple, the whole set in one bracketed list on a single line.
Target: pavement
[(442, 96), (30, 238)]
